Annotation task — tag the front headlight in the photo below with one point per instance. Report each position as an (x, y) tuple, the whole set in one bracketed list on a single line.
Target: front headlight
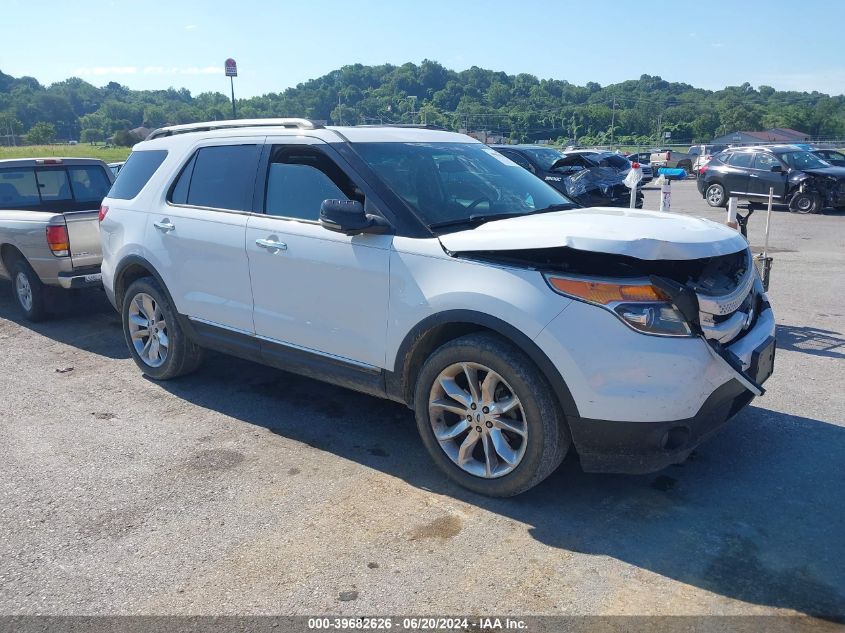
[(639, 306)]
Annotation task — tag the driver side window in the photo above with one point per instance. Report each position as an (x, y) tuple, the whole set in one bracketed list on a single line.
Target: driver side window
[(300, 177)]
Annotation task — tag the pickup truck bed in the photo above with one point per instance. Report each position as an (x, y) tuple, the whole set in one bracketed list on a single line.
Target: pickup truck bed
[(49, 229)]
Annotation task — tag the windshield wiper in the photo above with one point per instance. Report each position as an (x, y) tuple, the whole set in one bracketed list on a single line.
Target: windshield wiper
[(482, 218), (474, 219), (566, 206)]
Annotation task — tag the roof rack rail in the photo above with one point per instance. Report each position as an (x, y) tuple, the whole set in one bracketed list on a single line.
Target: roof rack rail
[(418, 126), (170, 130)]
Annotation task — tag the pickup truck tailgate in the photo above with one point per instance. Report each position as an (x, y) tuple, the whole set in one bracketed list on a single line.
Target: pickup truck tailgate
[(83, 229)]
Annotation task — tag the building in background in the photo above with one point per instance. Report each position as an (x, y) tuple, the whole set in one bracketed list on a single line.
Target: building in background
[(774, 135)]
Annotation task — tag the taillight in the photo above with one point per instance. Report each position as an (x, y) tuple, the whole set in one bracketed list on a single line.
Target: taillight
[(57, 240), (702, 169), (635, 165), (103, 211), (669, 155)]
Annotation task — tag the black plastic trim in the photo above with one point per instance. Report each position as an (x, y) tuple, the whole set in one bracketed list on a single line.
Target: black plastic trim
[(608, 446), (281, 356)]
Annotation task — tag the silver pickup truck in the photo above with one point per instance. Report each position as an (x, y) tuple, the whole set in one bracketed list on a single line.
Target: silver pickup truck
[(49, 231)]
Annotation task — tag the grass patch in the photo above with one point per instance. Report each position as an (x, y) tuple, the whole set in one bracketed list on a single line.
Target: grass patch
[(83, 150)]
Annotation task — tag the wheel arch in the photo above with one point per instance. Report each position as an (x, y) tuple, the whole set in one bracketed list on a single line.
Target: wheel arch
[(135, 267), (8, 253), (437, 329)]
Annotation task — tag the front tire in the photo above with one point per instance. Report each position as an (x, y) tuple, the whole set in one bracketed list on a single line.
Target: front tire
[(715, 195), (488, 417), (28, 291), (804, 203), (156, 341)]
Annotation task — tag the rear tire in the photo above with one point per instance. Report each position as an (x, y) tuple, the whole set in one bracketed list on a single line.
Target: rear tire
[(28, 291), (156, 341), (531, 423), (805, 203), (687, 167)]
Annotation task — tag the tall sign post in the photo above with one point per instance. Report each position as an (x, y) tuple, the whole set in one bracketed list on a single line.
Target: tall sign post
[(231, 72)]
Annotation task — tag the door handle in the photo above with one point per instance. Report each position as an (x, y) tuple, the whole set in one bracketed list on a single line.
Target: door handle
[(754, 175), (272, 245), (164, 226)]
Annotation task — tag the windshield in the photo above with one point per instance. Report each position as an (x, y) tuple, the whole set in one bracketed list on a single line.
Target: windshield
[(449, 182), (611, 160), (803, 160), (545, 157)]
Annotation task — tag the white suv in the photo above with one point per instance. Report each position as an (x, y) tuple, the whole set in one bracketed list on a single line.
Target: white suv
[(422, 266)]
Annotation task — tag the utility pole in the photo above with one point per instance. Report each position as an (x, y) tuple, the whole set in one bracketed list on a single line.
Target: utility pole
[(612, 122)]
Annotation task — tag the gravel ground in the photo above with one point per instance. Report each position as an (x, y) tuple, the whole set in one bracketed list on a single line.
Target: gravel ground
[(246, 490)]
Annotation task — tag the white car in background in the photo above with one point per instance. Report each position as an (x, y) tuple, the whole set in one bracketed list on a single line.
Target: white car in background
[(424, 267)]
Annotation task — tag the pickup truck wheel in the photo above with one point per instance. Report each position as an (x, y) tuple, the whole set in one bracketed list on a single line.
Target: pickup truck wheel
[(28, 291), (156, 341), (715, 195), (488, 417)]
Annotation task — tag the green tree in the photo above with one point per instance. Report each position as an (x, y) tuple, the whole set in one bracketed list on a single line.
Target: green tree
[(41, 134)]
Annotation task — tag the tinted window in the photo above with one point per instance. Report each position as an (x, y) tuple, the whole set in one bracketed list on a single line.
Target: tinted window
[(765, 161), (89, 184), (519, 160), (741, 159), (223, 177), (179, 193), (135, 173), (300, 178), (53, 185), (612, 160), (18, 188)]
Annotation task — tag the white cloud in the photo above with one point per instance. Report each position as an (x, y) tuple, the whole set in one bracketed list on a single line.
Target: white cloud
[(99, 71), (105, 70), (191, 27)]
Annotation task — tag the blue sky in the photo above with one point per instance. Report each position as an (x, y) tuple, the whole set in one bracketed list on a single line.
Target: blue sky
[(183, 43)]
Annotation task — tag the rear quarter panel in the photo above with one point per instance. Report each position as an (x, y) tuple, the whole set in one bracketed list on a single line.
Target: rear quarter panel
[(26, 232)]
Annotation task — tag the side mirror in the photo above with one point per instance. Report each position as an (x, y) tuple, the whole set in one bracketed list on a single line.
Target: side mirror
[(348, 217), (777, 168)]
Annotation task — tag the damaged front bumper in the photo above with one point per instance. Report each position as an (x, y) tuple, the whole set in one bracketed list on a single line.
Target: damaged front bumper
[(646, 402)]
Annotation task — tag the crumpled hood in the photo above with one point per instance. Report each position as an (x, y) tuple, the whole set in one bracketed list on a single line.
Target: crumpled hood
[(649, 235), (833, 172)]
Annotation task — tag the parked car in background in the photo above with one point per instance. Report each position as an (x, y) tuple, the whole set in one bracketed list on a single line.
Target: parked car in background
[(799, 178), (115, 167), (48, 226), (425, 267), (672, 158), (703, 154), (832, 156), (643, 158), (577, 173)]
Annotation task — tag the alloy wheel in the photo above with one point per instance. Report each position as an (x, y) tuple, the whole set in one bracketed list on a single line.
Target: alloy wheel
[(714, 195), (148, 330), (24, 290), (478, 420)]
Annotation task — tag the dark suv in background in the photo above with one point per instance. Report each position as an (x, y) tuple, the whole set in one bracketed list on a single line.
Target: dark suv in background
[(799, 178)]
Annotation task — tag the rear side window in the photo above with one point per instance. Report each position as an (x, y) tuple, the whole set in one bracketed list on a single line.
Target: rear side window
[(741, 159), (135, 173), (221, 177)]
